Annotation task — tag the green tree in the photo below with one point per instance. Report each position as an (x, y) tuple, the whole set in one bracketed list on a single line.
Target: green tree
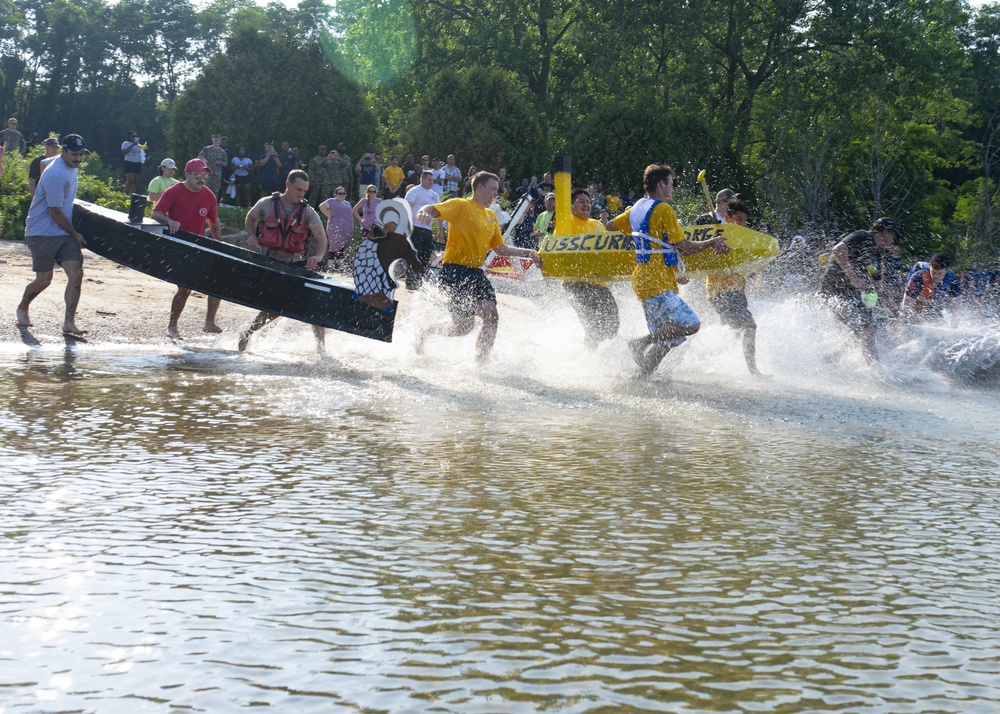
[(267, 88), (480, 115)]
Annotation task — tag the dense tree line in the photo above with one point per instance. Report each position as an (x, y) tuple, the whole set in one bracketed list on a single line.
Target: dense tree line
[(821, 113)]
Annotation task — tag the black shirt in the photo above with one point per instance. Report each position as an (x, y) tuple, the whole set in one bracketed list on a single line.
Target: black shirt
[(863, 256)]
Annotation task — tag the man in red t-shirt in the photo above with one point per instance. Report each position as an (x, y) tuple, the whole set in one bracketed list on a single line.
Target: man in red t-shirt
[(189, 206)]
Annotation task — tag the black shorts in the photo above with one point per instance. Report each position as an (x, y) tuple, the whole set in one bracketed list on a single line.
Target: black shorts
[(848, 308), (733, 309), (466, 288), (241, 180), (596, 308), (133, 167)]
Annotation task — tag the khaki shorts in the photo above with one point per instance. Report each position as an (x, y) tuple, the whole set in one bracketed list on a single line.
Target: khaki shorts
[(46, 251)]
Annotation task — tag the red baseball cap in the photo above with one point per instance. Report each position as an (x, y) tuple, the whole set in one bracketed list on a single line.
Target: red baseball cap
[(196, 166)]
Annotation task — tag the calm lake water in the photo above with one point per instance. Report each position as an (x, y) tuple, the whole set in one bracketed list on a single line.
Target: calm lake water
[(198, 530)]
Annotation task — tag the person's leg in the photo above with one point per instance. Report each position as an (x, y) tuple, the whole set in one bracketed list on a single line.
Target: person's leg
[(868, 343), (258, 322), (670, 321), (487, 310), (74, 282), (34, 289), (211, 310), (176, 308), (320, 334)]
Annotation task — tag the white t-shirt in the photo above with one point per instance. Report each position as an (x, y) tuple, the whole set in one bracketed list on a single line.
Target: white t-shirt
[(135, 154), (438, 181), (56, 187), (418, 197)]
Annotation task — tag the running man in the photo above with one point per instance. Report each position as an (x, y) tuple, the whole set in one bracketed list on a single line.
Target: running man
[(286, 221), (658, 241), (853, 280), (727, 294), (590, 297), (188, 206), (472, 232)]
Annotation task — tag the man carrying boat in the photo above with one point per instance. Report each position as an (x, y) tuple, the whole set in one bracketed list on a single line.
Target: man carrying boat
[(590, 297), (472, 232), (279, 226), (853, 280), (659, 243), (50, 235), (188, 206)]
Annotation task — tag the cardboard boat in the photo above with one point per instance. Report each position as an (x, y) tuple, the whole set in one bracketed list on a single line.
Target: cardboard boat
[(230, 272), (611, 255)]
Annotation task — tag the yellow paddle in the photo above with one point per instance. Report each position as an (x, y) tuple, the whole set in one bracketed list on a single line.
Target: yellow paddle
[(704, 188)]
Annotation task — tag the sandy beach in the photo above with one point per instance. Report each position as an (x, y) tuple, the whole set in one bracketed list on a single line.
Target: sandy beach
[(117, 304)]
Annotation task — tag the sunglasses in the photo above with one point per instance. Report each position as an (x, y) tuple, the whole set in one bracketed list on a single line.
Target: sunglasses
[(340, 193)]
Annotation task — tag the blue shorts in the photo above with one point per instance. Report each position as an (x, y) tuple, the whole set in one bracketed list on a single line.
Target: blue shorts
[(668, 309)]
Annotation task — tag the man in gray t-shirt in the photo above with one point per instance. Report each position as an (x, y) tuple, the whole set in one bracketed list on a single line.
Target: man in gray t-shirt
[(50, 235), (289, 221)]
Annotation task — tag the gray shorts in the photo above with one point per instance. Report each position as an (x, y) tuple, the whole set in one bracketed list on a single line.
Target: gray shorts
[(46, 251)]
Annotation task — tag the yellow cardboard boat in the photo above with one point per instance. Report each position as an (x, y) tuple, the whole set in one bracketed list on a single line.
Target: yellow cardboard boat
[(612, 255)]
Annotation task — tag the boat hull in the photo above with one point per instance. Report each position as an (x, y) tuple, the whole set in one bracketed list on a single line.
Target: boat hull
[(230, 272)]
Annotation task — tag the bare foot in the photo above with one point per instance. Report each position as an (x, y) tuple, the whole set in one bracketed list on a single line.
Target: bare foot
[(213, 328), (173, 333), (71, 330), (22, 318)]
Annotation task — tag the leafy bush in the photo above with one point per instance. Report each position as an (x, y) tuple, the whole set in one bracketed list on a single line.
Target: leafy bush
[(15, 200)]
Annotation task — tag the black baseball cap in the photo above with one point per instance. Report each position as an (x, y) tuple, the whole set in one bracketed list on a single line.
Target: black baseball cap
[(73, 143), (886, 224)]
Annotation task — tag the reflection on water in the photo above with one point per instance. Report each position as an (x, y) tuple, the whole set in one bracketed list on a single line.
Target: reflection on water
[(207, 532)]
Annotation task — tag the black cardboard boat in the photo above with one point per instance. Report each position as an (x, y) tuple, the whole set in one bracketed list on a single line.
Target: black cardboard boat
[(230, 272)]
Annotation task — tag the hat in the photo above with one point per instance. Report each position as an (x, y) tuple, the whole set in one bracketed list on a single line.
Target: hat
[(51, 141), (886, 224), (726, 194), (196, 166), (549, 195), (941, 260), (216, 137), (73, 143), (395, 210), (799, 239), (168, 164)]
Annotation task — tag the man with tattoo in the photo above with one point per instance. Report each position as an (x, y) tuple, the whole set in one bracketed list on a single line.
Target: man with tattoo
[(50, 236)]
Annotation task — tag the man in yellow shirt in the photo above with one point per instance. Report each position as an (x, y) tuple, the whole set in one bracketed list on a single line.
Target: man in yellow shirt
[(392, 179), (727, 293), (591, 298), (659, 242), (472, 232)]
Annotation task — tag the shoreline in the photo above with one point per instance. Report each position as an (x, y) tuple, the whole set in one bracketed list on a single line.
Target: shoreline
[(117, 305)]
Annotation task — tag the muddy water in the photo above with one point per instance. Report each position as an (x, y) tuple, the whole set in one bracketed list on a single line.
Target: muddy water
[(196, 530)]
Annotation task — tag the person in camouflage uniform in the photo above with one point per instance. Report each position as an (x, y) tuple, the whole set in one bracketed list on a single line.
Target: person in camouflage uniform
[(217, 159), (337, 174), (317, 176), (11, 139)]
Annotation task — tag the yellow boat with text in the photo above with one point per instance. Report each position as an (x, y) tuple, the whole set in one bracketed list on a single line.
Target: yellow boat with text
[(612, 255)]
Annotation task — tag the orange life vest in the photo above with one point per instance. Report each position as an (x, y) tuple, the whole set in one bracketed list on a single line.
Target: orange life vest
[(284, 232)]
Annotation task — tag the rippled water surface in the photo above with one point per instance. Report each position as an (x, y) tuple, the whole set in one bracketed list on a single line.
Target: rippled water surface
[(203, 531)]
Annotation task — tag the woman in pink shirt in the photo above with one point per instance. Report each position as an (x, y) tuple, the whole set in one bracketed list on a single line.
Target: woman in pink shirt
[(339, 229), (364, 211)]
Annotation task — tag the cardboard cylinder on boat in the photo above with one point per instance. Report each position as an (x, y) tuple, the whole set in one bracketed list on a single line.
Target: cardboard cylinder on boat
[(563, 176), (136, 208)]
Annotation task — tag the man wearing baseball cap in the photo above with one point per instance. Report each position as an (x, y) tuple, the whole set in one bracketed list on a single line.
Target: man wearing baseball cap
[(188, 206), (51, 237), (852, 283), (164, 180), (51, 146)]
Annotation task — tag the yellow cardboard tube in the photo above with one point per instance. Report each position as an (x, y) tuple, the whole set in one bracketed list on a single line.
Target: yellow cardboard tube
[(564, 188)]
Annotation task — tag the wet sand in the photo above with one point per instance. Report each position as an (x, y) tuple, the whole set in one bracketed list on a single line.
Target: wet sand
[(117, 304)]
